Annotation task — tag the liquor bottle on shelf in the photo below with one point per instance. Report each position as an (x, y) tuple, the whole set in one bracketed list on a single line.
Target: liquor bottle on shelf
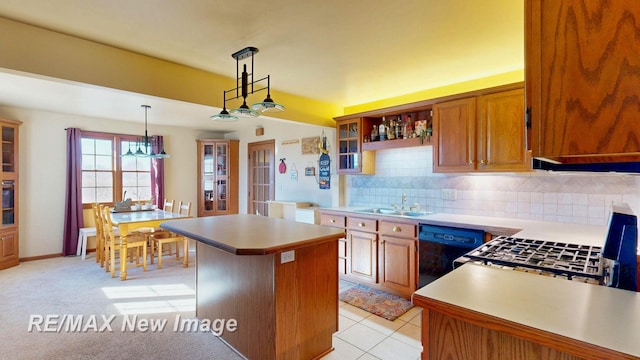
[(391, 130), (398, 127), (374, 133), (382, 129)]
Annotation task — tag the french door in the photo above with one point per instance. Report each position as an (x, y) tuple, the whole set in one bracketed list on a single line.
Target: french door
[(261, 182)]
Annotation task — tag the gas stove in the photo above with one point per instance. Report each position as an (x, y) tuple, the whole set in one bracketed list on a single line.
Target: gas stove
[(570, 261)]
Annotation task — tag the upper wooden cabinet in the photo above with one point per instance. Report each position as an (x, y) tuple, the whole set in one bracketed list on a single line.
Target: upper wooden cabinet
[(351, 158), (217, 177), (582, 79), (483, 133)]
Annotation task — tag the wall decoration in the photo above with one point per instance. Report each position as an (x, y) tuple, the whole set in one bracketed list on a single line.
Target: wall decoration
[(324, 165), (290, 142), (309, 171), (282, 168), (310, 145)]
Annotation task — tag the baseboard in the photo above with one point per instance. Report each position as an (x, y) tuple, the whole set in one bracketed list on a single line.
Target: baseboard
[(40, 257)]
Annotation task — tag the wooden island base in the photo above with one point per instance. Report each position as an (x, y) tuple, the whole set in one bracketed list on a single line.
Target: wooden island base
[(283, 311)]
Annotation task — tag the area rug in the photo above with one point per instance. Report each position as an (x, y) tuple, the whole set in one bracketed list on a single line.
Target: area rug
[(377, 302)]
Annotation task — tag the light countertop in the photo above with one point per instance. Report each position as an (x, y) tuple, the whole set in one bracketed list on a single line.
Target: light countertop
[(598, 315), (245, 234), (592, 235)]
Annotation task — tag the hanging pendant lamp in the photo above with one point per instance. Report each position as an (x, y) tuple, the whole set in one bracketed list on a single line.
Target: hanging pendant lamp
[(242, 90)]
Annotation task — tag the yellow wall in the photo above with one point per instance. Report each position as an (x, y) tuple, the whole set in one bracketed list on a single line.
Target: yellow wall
[(471, 85), (34, 50)]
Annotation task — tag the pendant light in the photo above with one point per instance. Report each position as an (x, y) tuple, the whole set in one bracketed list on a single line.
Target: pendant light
[(145, 143), (242, 90)]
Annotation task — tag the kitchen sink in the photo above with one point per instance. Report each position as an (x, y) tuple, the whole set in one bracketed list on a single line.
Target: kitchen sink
[(388, 211)]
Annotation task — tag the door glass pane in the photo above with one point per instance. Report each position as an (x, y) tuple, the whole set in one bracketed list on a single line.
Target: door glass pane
[(8, 138)]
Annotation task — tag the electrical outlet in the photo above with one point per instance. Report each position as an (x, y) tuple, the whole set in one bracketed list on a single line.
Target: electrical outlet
[(287, 256), (449, 194)]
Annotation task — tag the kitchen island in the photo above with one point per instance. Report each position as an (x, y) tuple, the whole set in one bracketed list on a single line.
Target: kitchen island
[(276, 278), (480, 312)]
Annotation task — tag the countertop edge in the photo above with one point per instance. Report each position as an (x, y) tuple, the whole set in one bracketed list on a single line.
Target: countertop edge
[(176, 226)]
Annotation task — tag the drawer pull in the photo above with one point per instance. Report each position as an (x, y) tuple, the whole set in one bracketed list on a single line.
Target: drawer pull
[(332, 220), (396, 229), (361, 224)]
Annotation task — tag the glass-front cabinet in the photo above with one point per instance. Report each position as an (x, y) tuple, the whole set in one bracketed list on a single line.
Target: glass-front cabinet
[(351, 158), (9, 180), (217, 177)]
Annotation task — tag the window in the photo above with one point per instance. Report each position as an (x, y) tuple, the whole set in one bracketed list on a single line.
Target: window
[(106, 175)]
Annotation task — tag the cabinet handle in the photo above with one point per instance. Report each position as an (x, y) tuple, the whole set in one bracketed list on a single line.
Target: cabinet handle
[(332, 220), (396, 229), (483, 162), (471, 162), (361, 224)]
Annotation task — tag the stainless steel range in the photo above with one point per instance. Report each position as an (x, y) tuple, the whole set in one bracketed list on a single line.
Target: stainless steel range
[(614, 264), (570, 261)]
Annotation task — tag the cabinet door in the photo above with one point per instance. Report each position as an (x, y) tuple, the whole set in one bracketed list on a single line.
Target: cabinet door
[(454, 126), (582, 60), (207, 175), (222, 167), (363, 255), (217, 177), (9, 151), (397, 264), (349, 146), (343, 258), (501, 132), (8, 249)]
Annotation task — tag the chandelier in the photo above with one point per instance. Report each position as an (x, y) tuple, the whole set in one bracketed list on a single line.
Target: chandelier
[(246, 85), (145, 144)]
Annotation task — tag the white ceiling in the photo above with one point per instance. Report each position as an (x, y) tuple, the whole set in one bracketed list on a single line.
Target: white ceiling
[(342, 52)]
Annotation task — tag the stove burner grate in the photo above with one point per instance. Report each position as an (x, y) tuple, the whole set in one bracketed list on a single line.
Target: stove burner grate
[(553, 257)]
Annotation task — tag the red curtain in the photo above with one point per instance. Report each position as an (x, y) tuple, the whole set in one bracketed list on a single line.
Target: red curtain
[(157, 172), (73, 219)]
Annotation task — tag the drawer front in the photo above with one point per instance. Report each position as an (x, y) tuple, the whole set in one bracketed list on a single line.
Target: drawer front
[(333, 220), (398, 229), (360, 224)]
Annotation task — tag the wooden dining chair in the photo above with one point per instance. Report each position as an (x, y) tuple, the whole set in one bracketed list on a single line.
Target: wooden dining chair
[(97, 218), (147, 232), (135, 244), (159, 239)]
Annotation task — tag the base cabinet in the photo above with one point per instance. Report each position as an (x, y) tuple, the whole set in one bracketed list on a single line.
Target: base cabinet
[(8, 248)]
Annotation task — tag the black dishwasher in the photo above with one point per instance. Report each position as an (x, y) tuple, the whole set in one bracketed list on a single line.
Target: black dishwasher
[(439, 246)]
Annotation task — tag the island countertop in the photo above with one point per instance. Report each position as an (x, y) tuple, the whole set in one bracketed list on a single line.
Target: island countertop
[(604, 317), (245, 234)]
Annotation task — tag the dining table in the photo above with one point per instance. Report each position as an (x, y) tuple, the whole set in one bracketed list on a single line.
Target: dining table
[(127, 221)]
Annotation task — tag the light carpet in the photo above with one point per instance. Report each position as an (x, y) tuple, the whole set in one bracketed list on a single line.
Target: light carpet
[(377, 302), (66, 289)]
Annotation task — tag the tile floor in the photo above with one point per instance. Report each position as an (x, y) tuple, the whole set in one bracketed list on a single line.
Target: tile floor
[(364, 336)]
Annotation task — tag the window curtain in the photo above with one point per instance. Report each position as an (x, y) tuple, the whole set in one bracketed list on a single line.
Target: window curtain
[(73, 219), (157, 173)]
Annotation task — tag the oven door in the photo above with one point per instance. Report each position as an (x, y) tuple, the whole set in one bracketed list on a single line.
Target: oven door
[(439, 246)]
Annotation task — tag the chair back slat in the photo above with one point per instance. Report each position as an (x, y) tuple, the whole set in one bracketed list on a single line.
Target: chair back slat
[(184, 208), (168, 205)]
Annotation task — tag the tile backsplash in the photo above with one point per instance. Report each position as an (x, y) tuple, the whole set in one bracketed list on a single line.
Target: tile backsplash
[(559, 197)]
